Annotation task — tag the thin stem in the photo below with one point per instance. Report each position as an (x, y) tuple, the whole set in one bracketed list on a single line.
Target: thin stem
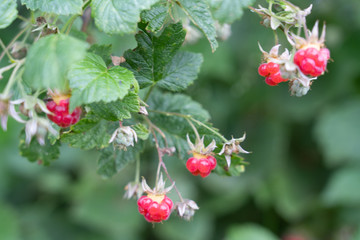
[(162, 164), (194, 129), (67, 26), (276, 38), (192, 119), (23, 18), (137, 170), (148, 93), (12, 78), (209, 128), (13, 40), (158, 130), (26, 35), (6, 51), (7, 68)]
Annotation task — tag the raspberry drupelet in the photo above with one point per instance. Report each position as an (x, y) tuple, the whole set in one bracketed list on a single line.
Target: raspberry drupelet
[(61, 115), (155, 208), (272, 73)]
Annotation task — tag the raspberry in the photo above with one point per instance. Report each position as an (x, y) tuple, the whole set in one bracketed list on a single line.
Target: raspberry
[(155, 208), (272, 73), (312, 61), (61, 115), (201, 165)]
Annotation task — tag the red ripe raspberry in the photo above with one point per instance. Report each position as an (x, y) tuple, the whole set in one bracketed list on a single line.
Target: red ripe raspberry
[(312, 61), (61, 115), (272, 73), (201, 165), (155, 208)]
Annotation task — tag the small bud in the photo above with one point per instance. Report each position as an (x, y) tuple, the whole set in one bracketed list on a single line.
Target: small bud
[(143, 111), (7, 108), (133, 189), (117, 60), (232, 146), (123, 137), (186, 209)]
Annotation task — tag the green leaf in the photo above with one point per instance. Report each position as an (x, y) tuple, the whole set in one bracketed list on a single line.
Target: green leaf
[(8, 12), (342, 189), (236, 168), (35, 152), (49, 60), (155, 17), (103, 50), (118, 16), (93, 82), (181, 71), (249, 231), (338, 133), (61, 7), (117, 110), (199, 13), (142, 131), (10, 224), (149, 60), (175, 127), (112, 161), (90, 132), (227, 11)]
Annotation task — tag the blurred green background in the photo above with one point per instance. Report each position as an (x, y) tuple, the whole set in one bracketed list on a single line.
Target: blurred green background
[(304, 173)]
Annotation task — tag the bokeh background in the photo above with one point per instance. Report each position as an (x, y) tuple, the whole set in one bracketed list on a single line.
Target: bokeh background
[(304, 175)]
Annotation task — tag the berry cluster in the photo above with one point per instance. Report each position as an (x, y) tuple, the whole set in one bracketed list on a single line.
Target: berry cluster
[(272, 73), (312, 61), (61, 115), (155, 208), (201, 165)]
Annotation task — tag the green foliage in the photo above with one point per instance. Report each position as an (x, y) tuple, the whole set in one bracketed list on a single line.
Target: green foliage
[(92, 82), (49, 60), (342, 188), (249, 231), (90, 132), (155, 17), (142, 131), (117, 110), (112, 161), (227, 11), (8, 12), (199, 13), (181, 71), (118, 16), (340, 141), (175, 125), (35, 152), (150, 60), (61, 7), (9, 229), (104, 51)]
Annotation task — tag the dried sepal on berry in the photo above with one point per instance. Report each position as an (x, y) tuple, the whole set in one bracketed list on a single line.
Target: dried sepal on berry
[(7, 108), (312, 38), (156, 206), (159, 189), (133, 189), (186, 209), (123, 137), (202, 162), (233, 146), (39, 127), (199, 146), (290, 15)]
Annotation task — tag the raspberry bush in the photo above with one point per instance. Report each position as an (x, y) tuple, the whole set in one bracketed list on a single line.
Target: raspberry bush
[(67, 89)]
